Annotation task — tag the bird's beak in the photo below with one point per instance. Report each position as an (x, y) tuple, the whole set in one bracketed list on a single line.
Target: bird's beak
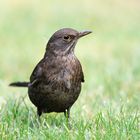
[(81, 34)]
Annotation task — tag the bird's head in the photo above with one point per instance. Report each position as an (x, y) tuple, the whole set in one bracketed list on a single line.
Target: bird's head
[(64, 40)]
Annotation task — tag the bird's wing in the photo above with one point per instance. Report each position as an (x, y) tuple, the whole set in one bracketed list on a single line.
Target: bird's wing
[(81, 70), (82, 77), (37, 73), (45, 73)]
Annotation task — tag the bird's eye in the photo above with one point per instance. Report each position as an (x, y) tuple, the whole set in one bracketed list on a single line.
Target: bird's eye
[(67, 38)]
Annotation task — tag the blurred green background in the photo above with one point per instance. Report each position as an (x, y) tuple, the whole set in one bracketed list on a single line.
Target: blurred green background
[(110, 55)]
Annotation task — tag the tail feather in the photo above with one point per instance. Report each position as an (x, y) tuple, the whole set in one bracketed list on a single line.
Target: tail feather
[(19, 84)]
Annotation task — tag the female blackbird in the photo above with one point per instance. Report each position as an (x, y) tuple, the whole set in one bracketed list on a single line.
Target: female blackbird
[(55, 83)]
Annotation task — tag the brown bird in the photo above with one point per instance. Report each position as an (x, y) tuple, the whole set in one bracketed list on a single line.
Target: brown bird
[(55, 83)]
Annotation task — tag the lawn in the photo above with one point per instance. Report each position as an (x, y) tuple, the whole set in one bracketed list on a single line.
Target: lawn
[(108, 107)]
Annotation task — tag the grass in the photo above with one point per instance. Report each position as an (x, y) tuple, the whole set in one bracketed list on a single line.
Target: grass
[(108, 106), (22, 123)]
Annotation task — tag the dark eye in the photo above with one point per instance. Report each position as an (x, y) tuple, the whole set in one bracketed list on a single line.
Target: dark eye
[(67, 38)]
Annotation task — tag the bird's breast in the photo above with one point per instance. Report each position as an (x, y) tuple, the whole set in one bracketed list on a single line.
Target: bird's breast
[(70, 71)]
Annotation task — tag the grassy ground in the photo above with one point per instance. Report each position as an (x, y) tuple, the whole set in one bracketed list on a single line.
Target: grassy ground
[(108, 107)]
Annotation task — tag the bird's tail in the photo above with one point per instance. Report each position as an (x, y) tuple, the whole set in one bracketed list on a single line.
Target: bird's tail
[(19, 84)]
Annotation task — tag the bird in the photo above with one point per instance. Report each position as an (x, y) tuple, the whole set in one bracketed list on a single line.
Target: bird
[(55, 83)]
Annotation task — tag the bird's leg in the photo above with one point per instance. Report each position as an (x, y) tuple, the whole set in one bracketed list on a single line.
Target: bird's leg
[(39, 112), (67, 115)]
